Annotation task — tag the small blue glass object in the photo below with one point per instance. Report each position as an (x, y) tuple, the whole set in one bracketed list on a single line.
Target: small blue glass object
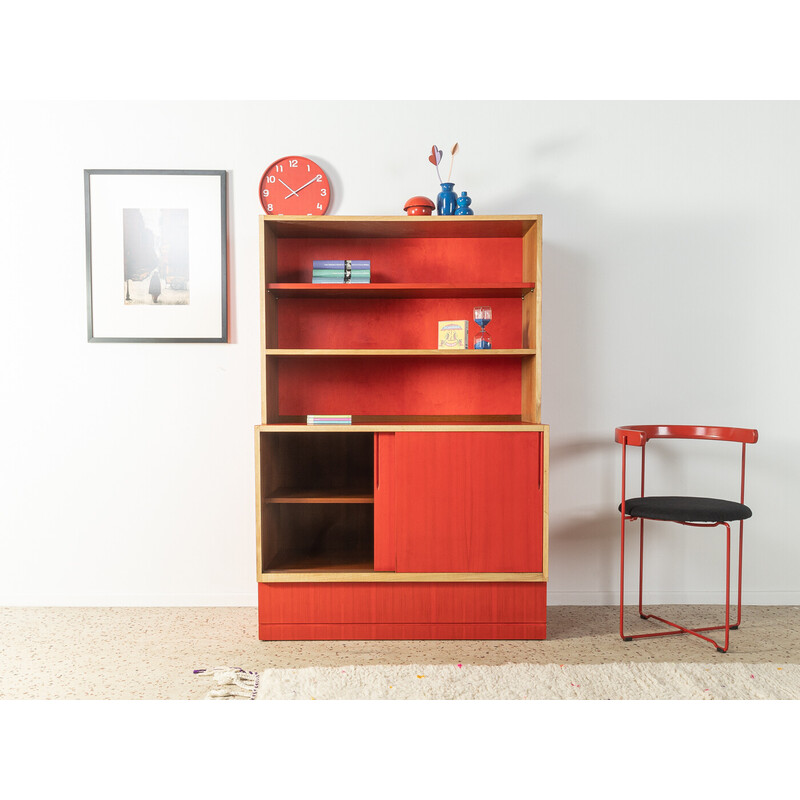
[(463, 203), (446, 200)]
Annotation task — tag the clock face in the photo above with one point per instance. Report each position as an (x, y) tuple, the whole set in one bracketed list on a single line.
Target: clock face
[(294, 185)]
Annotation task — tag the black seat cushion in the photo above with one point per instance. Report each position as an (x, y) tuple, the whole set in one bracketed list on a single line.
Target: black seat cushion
[(686, 509)]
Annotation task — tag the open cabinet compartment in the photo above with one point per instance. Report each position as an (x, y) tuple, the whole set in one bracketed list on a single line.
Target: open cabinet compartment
[(315, 501)]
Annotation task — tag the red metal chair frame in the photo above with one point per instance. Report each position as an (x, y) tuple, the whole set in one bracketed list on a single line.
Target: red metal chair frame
[(638, 436)]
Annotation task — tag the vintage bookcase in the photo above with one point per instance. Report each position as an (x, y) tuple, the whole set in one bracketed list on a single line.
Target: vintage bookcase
[(427, 517)]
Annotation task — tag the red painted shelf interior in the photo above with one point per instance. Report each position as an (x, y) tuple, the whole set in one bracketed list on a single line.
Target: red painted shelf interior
[(419, 260), (396, 311), (399, 386)]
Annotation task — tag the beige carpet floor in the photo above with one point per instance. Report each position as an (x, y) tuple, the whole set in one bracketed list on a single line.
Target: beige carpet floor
[(150, 653)]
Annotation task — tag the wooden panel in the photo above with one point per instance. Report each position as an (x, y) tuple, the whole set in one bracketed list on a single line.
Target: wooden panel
[(385, 503), (269, 256), (418, 603), (398, 290), (469, 502), (477, 225), (389, 424), (362, 572), (532, 322)]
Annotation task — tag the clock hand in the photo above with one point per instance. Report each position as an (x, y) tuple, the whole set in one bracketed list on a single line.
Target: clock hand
[(315, 178), (291, 191)]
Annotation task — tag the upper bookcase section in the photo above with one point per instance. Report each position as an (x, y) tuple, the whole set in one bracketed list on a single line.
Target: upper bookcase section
[(501, 251)]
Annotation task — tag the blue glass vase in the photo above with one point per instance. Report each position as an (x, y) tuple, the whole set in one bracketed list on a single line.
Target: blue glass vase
[(446, 200), (463, 203)]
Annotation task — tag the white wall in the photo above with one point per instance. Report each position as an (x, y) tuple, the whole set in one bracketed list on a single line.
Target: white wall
[(670, 280)]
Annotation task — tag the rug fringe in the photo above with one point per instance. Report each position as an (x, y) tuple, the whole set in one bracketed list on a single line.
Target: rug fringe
[(236, 682)]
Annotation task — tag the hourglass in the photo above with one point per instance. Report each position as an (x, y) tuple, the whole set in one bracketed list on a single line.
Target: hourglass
[(482, 316)]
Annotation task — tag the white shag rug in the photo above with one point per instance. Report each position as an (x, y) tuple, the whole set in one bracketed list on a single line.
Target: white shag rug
[(618, 681)]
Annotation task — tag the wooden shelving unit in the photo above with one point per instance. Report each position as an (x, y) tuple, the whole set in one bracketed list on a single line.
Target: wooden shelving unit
[(427, 517)]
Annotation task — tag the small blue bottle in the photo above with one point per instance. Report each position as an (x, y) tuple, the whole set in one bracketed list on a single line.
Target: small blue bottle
[(464, 203)]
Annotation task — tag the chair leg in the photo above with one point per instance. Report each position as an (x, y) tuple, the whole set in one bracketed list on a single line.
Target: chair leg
[(641, 566), (727, 627), (739, 602), (727, 589), (622, 579)]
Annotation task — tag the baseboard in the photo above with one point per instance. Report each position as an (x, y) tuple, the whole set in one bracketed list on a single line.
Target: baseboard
[(776, 598), (134, 600), (247, 599)]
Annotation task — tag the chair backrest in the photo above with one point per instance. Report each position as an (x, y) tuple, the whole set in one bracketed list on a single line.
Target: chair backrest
[(638, 435)]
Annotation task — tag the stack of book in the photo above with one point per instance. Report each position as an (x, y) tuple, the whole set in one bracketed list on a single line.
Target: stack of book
[(329, 419), (341, 271)]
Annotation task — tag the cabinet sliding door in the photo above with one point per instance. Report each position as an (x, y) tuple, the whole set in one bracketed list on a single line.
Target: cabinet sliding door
[(463, 501)]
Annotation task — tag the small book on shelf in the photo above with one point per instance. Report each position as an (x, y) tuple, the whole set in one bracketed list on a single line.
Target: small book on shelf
[(329, 419), (341, 271), (334, 264), (453, 334)]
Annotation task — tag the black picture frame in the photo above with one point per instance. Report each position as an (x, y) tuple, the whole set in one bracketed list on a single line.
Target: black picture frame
[(131, 219)]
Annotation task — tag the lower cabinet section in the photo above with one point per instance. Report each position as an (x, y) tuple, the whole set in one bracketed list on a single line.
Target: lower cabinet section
[(482, 610), (402, 534)]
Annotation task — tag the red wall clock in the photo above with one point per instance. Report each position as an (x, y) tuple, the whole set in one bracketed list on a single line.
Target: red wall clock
[(294, 185)]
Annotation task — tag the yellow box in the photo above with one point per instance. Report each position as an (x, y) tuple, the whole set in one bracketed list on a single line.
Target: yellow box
[(453, 334)]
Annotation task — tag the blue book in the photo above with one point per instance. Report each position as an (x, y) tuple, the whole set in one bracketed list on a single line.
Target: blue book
[(354, 264), (340, 275), (340, 281)]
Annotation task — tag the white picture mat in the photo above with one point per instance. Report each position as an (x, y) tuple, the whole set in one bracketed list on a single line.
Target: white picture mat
[(111, 317)]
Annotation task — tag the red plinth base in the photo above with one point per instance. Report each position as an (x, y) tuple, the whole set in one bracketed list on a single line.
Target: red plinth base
[(318, 611)]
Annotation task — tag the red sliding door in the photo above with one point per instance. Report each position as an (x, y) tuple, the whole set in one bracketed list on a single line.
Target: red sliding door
[(463, 501)]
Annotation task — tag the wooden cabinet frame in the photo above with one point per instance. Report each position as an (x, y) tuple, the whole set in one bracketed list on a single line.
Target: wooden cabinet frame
[(317, 517)]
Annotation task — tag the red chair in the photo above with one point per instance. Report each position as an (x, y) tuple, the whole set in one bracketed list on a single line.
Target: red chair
[(696, 512)]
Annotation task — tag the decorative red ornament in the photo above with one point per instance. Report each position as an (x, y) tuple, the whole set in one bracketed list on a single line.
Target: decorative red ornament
[(419, 206), (294, 185)]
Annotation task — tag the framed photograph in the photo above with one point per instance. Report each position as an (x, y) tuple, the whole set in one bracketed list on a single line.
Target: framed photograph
[(156, 255)]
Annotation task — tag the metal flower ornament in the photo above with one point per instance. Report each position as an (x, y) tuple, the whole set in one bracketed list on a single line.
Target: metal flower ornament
[(446, 201)]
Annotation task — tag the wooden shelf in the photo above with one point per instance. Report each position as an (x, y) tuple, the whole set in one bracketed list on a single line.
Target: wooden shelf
[(313, 568), (361, 572), (388, 424), (399, 290), (317, 496), (289, 353)]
